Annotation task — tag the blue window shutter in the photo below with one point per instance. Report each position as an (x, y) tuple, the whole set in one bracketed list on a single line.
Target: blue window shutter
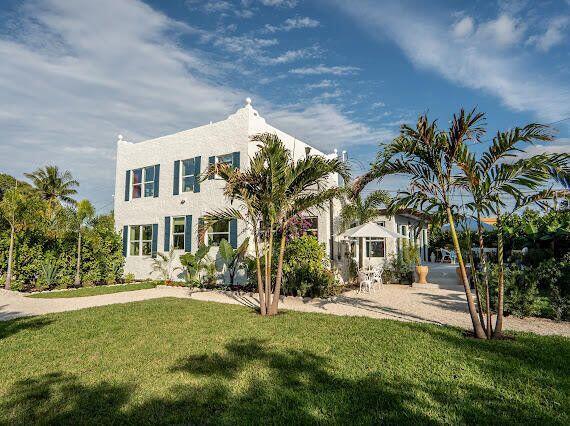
[(233, 233), (154, 248), (197, 169), (188, 234), (167, 234), (125, 240), (176, 181), (156, 179), (127, 184), (235, 160), (211, 162)]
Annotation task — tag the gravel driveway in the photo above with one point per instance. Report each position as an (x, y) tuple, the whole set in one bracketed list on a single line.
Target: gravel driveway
[(403, 303)]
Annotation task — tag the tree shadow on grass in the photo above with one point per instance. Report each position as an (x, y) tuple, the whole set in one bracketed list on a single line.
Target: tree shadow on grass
[(252, 382), (14, 326)]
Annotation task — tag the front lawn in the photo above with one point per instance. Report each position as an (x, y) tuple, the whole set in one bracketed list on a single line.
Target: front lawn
[(95, 291), (184, 361)]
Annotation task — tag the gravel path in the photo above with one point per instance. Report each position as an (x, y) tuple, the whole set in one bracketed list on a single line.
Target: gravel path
[(403, 303)]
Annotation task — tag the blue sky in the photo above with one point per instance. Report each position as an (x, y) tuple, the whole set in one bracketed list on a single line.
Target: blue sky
[(336, 74)]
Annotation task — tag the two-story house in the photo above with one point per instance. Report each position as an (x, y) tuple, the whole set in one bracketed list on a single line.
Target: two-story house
[(159, 198)]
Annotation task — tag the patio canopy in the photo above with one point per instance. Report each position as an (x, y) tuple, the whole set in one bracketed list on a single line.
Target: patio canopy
[(469, 224), (370, 230)]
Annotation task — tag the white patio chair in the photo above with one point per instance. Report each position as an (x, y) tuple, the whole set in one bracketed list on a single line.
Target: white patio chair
[(364, 282), (445, 254), (377, 276)]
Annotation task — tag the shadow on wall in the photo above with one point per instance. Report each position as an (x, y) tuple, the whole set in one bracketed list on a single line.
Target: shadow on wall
[(275, 386)]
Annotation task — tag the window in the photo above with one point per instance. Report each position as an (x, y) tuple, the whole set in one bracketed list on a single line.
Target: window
[(312, 226), (141, 240), (375, 247), (381, 223), (220, 231), (137, 183), (225, 159), (178, 230), (188, 176), (144, 181)]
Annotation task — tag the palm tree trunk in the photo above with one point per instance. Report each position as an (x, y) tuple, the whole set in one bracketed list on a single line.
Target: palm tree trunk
[(78, 265), (477, 294), (262, 309), (10, 256), (501, 277), (477, 327), (489, 324), (279, 274), (268, 261)]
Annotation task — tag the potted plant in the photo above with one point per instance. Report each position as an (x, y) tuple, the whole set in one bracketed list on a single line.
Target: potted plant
[(421, 270)]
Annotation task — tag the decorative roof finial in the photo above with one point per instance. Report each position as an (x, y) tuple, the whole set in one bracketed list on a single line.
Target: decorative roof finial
[(120, 137), (247, 101)]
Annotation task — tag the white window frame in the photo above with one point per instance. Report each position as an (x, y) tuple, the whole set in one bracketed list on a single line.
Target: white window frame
[(367, 248), (217, 161), (183, 233), (148, 182), (210, 233), (140, 241), (182, 176)]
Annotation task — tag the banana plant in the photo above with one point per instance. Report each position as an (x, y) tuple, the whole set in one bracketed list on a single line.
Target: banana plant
[(233, 259), (194, 264)]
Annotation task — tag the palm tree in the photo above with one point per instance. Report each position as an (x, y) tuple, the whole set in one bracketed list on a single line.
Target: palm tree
[(359, 212), (272, 193), (489, 180), (84, 214), (428, 156), (54, 186)]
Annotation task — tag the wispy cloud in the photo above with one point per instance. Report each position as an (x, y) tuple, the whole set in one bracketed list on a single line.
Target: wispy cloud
[(323, 69), (279, 3), (554, 34), (469, 62), (323, 84), (292, 24)]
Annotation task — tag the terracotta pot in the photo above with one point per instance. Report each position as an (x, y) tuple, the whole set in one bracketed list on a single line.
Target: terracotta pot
[(422, 272)]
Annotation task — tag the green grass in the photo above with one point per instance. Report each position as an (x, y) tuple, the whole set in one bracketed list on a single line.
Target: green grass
[(189, 362), (95, 291)]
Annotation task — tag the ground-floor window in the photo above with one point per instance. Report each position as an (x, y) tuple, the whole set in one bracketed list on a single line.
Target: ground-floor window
[(375, 247), (140, 240), (218, 232), (178, 231)]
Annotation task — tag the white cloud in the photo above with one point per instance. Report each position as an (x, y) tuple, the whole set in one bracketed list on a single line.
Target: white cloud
[(378, 105), (467, 62), (279, 3), (293, 24), (553, 36), (323, 84), (291, 56), (503, 31), (322, 69), (464, 27)]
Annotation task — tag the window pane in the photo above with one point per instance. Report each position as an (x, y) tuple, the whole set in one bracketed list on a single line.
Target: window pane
[(149, 174), (222, 226), (146, 249), (135, 248), (188, 167), (188, 184), (137, 191), (178, 225), (149, 189), (226, 159), (137, 176), (375, 248), (215, 239), (179, 241), (135, 233), (147, 232)]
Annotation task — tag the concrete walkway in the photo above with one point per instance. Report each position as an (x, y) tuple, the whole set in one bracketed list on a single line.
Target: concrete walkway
[(403, 303)]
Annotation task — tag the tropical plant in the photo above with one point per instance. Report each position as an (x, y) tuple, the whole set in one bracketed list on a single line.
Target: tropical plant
[(271, 194), (358, 212), (163, 264), (194, 264), (54, 186), (20, 211), (233, 260), (48, 271), (84, 214), (428, 156)]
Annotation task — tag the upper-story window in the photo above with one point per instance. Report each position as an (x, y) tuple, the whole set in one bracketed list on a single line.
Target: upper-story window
[(142, 182), (232, 159), (186, 176)]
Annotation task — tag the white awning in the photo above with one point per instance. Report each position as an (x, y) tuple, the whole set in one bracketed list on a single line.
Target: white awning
[(370, 230)]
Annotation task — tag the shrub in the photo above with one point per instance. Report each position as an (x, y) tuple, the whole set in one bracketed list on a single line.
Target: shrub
[(306, 271)]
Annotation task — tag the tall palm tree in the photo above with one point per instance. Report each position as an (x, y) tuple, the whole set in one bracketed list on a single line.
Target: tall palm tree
[(428, 156), (490, 181), (84, 213), (272, 193), (359, 212), (54, 186)]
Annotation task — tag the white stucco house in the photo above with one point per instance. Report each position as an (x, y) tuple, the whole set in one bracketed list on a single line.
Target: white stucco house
[(159, 199)]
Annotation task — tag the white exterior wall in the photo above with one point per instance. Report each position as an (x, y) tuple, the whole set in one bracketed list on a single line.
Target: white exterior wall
[(224, 137)]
